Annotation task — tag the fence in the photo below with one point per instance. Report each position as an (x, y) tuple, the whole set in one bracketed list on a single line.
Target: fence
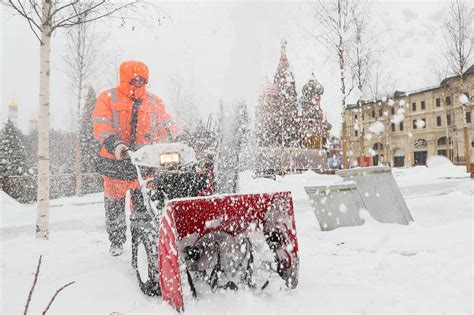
[(24, 188)]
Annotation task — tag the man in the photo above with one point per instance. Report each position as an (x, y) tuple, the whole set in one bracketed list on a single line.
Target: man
[(125, 118)]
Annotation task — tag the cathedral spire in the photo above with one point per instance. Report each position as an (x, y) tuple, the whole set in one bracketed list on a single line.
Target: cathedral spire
[(283, 64)]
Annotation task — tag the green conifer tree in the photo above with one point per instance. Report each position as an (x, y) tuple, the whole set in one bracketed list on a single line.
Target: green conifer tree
[(12, 151)]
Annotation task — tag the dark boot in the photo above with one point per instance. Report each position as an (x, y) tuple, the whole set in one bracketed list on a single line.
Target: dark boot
[(115, 223)]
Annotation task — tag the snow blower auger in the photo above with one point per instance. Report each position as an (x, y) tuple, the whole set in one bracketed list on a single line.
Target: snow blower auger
[(190, 243)]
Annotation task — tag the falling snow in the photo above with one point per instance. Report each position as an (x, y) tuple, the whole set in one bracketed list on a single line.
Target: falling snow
[(376, 127)]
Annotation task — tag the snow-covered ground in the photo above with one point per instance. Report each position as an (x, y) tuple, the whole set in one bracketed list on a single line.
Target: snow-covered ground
[(373, 268)]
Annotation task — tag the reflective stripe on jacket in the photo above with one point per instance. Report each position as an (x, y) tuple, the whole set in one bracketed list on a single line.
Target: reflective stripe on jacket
[(113, 113)]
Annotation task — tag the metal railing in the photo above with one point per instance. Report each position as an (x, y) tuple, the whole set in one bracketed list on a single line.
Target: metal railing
[(24, 188)]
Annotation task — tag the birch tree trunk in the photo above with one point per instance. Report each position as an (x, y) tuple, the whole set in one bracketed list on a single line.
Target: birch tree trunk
[(78, 140), (342, 69), (42, 213)]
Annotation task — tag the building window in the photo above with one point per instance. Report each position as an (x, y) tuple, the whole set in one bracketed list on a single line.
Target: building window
[(377, 146), (413, 107), (355, 116), (443, 152), (356, 133), (448, 100), (448, 120), (423, 105), (401, 126), (468, 117), (362, 116), (442, 141), (392, 110), (438, 102), (373, 113), (414, 124), (438, 121), (424, 120), (380, 113), (420, 143), (393, 127)]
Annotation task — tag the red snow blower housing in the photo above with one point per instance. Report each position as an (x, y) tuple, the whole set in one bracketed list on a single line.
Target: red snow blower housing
[(191, 245)]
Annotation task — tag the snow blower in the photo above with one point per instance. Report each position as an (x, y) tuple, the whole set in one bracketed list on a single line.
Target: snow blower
[(187, 242)]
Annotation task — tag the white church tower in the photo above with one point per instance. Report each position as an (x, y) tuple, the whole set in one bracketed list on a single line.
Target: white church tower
[(13, 112), (32, 124)]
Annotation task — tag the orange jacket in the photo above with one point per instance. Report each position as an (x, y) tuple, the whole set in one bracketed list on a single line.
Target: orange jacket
[(112, 114)]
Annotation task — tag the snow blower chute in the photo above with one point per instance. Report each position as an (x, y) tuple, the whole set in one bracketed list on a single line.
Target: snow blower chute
[(192, 244)]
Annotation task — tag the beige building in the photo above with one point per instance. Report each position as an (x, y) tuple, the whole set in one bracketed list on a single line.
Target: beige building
[(408, 128)]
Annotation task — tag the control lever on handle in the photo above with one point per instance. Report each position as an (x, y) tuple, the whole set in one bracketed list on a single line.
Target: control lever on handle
[(127, 154)]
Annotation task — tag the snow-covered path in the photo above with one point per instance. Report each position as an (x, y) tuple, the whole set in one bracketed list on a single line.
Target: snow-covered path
[(424, 267)]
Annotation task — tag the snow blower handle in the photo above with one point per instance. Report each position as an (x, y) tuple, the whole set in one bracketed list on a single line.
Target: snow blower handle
[(127, 154)]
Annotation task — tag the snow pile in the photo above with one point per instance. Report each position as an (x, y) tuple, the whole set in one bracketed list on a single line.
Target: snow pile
[(440, 161), (438, 169), (14, 213), (440, 166), (6, 201)]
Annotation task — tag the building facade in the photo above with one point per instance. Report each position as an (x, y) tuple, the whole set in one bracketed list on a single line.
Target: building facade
[(407, 128)]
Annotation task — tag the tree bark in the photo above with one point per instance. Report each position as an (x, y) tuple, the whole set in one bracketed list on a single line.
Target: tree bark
[(42, 213), (343, 92), (78, 139)]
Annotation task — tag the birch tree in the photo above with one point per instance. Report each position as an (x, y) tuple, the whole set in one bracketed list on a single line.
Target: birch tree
[(44, 18), (361, 58), (337, 21), (459, 37)]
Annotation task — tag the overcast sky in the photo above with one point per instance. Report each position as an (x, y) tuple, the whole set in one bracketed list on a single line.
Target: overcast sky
[(227, 49)]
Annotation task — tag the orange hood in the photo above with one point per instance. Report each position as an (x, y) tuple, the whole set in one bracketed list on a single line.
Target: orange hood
[(128, 71)]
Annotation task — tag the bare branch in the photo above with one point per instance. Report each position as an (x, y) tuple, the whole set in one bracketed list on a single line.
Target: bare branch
[(73, 3), (34, 5), (55, 294), (68, 22), (77, 15), (33, 286), (21, 10), (458, 36)]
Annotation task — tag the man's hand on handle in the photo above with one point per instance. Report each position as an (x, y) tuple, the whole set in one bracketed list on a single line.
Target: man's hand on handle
[(120, 151)]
